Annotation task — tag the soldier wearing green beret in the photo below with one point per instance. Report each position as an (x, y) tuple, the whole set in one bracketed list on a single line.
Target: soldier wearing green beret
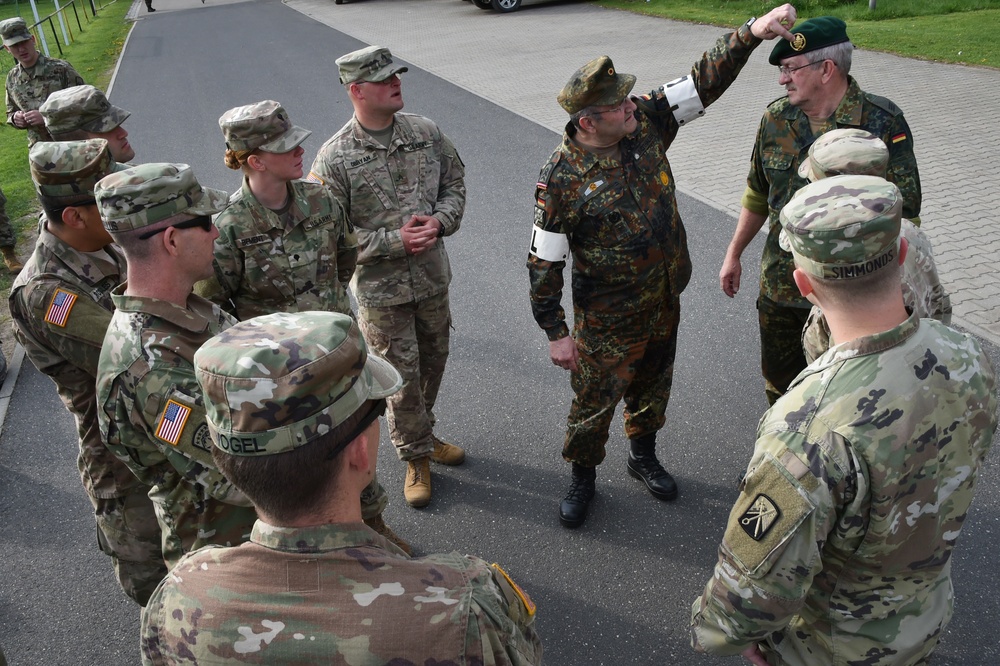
[(857, 152), (285, 244), (151, 411), (84, 112), (403, 185), (607, 196), (814, 68), (839, 547), (61, 307), (293, 406)]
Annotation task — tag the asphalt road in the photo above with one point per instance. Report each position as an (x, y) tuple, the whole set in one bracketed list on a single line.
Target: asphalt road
[(616, 591)]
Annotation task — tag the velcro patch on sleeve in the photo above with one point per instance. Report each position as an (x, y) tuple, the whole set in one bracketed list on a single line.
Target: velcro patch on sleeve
[(171, 424), (60, 307), (512, 592), (313, 178), (769, 510)]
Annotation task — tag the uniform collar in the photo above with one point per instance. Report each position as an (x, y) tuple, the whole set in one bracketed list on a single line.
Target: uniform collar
[(193, 318), (315, 538)]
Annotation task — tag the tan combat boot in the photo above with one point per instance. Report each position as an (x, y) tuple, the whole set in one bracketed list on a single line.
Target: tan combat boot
[(447, 454), (14, 264), (417, 488), (378, 524)]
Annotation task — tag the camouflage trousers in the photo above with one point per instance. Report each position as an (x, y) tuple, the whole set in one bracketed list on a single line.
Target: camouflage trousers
[(414, 338), (7, 237), (781, 355), (128, 531), (630, 357)]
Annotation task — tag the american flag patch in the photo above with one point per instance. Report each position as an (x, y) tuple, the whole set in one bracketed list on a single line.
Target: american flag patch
[(172, 422), (62, 303), (899, 137)]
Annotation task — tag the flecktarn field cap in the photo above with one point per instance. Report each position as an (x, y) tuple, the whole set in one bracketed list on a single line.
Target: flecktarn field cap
[(277, 382), (843, 227), (597, 83), (372, 63), (143, 195), (264, 125)]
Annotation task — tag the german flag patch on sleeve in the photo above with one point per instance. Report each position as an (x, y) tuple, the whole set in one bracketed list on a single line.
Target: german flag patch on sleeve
[(60, 307), (172, 422)]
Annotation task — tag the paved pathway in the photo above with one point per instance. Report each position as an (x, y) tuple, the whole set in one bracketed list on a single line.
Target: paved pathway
[(521, 60)]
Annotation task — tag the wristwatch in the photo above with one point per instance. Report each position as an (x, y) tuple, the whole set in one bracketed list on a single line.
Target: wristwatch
[(750, 22)]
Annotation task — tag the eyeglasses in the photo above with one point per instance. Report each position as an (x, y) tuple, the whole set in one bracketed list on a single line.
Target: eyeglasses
[(384, 82), (785, 70), (203, 221), (620, 107), (377, 410)]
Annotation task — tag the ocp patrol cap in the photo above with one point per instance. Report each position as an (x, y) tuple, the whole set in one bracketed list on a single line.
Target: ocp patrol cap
[(143, 195), (846, 151), (372, 63), (14, 31), (597, 83), (80, 108), (264, 125), (843, 227), (811, 35), (65, 173), (277, 382)]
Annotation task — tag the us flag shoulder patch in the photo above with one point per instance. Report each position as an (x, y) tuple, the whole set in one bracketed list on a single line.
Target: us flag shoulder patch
[(59, 308), (172, 422)]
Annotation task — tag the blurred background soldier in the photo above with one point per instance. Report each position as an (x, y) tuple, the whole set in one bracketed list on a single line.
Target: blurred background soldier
[(61, 307), (151, 412), (403, 272), (293, 404), (838, 549)]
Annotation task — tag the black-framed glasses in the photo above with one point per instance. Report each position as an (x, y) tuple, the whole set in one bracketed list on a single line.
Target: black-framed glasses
[(620, 107), (203, 221), (785, 70), (377, 410)]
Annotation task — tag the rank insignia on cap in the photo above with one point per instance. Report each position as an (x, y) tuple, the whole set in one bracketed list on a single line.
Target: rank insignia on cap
[(172, 422), (799, 42), (760, 517), (62, 303)]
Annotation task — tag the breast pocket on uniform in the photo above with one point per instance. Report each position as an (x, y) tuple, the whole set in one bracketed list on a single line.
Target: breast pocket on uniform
[(602, 220), (778, 161), (374, 185)]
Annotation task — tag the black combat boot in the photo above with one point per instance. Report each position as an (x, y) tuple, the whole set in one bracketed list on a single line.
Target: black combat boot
[(573, 508), (643, 465)]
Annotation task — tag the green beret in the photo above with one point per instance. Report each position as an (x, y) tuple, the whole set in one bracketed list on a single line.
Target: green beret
[(595, 84), (811, 35), (843, 227)]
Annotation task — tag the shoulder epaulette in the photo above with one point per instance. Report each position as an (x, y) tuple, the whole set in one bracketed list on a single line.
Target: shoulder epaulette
[(884, 103), (653, 104)]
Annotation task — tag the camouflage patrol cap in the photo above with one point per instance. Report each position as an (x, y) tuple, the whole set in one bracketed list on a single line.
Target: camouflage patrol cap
[(372, 63), (843, 227), (595, 84), (80, 108), (264, 125), (66, 172), (846, 151), (149, 193), (816, 33), (14, 31), (277, 382)]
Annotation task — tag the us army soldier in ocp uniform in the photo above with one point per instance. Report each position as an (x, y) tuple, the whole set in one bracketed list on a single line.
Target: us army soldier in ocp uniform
[(84, 112), (607, 196), (61, 306), (151, 412), (303, 396), (839, 548), (852, 151), (403, 185)]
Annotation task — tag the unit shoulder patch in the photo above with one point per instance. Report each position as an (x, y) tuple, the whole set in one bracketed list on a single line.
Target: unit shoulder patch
[(757, 520)]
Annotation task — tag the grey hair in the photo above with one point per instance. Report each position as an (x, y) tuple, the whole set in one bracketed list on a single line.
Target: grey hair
[(840, 54), (585, 111)]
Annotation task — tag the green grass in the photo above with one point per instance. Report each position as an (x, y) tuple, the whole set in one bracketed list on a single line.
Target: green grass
[(956, 31), (93, 54)]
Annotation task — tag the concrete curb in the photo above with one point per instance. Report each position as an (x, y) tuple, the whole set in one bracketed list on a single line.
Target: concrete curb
[(7, 389)]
